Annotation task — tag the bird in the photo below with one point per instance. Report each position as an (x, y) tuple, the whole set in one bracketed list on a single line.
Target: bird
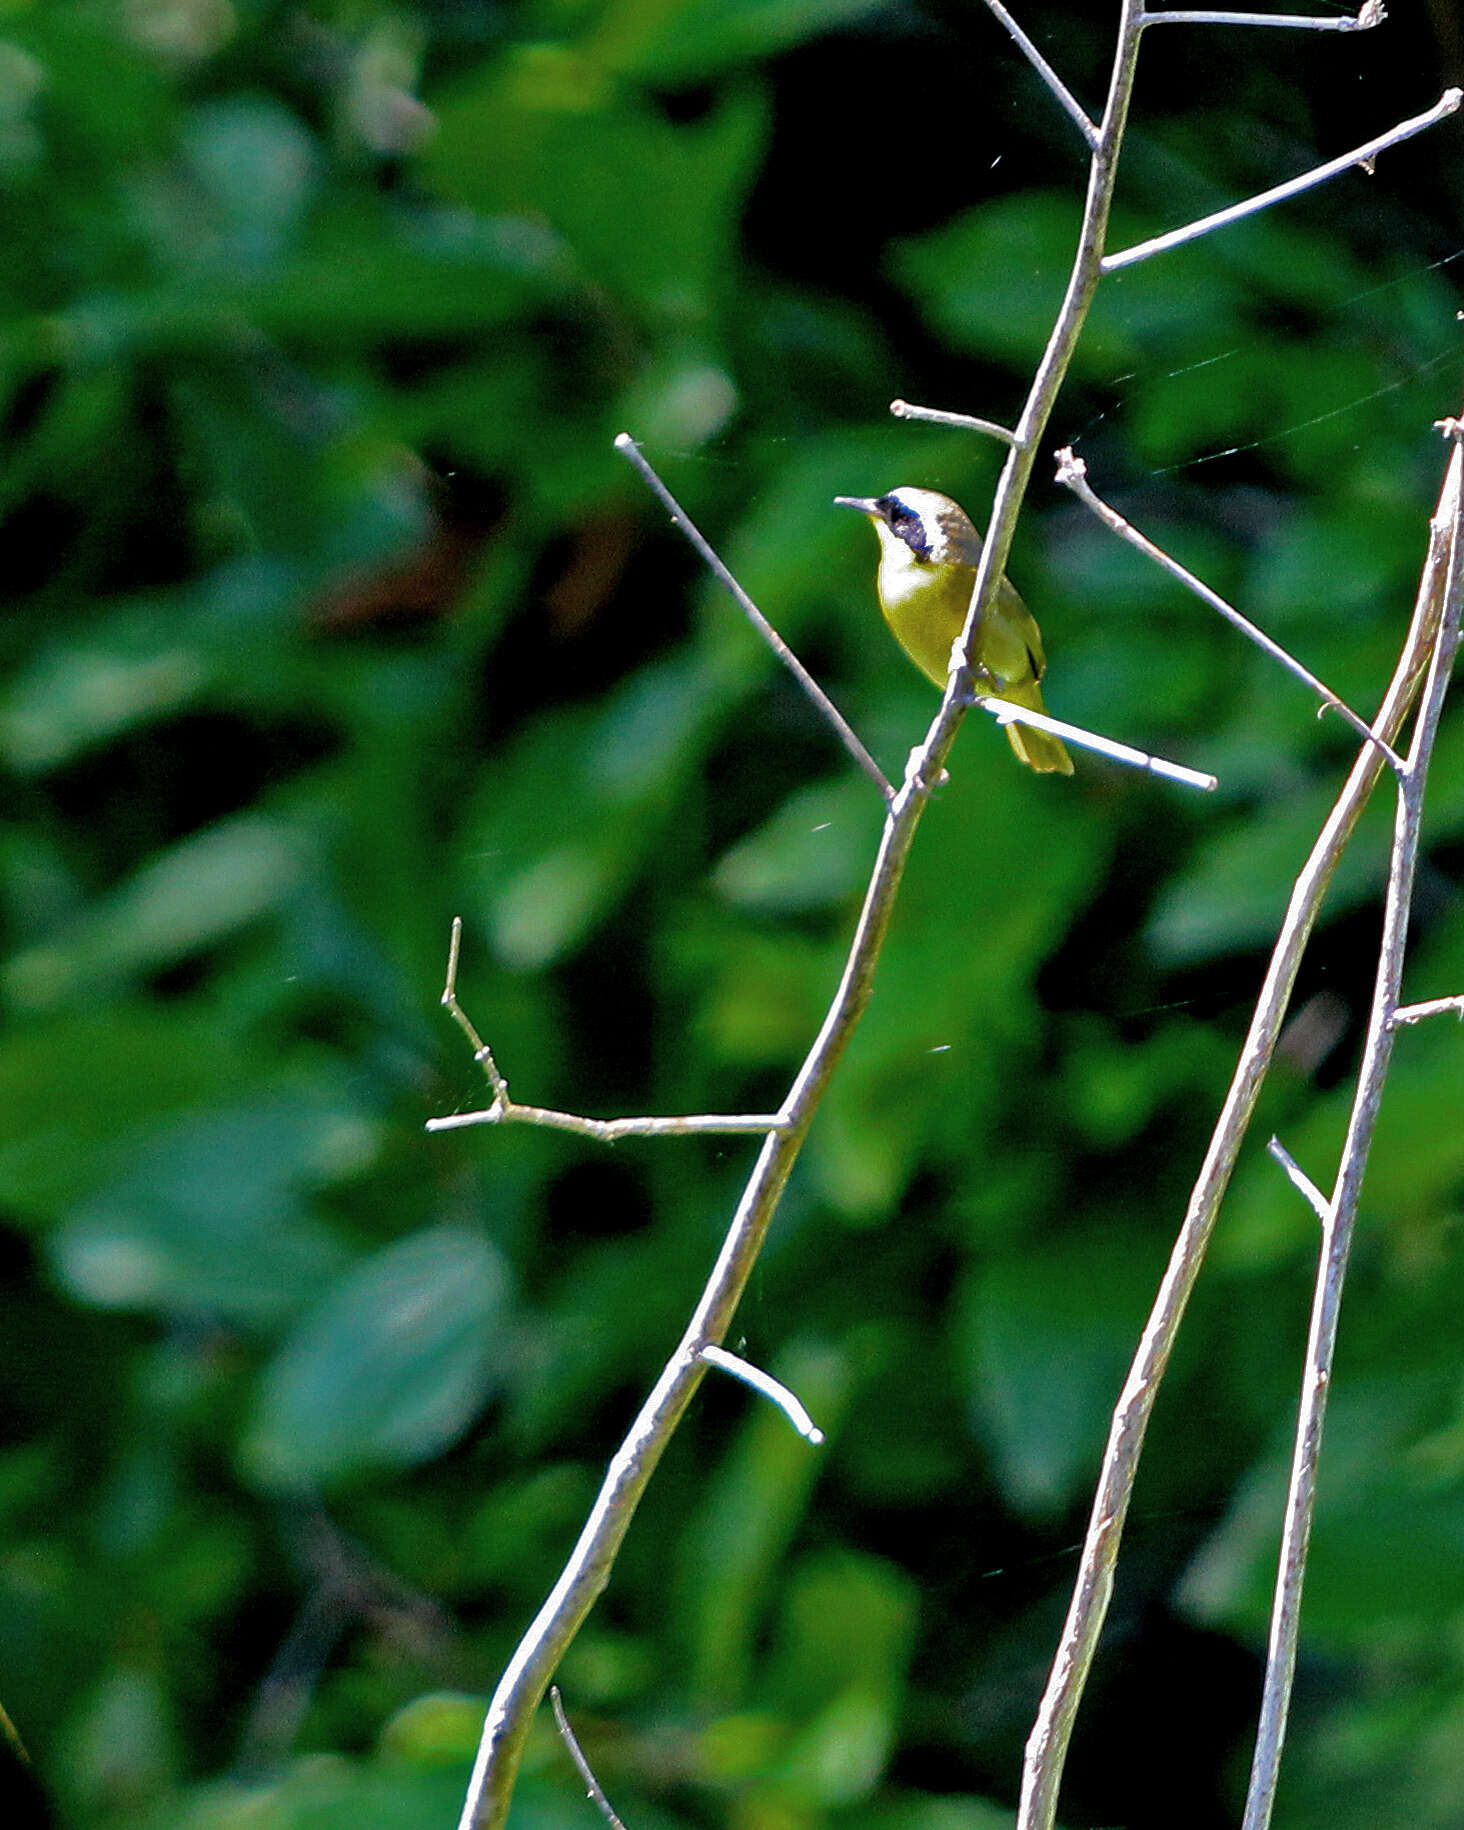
[(929, 549)]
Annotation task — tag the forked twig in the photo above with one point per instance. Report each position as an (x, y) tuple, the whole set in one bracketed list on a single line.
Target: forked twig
[(506, 1111), (1363, 155), (1072, 473), (846, 733)]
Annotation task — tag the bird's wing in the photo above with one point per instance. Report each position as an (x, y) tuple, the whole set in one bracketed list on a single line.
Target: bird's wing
[(1026, 625)]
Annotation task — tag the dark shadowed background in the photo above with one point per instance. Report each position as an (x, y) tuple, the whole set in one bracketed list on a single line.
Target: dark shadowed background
[(331, 613)]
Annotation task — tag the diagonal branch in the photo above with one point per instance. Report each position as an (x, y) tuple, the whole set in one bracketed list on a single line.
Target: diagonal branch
[(1005, 713), (1047, 1745), (587, 1571), (1066, 100), (846, 733), (1072, 472), (1377, 1052), (1447, 104), (594, 1791), (1301, 1181)]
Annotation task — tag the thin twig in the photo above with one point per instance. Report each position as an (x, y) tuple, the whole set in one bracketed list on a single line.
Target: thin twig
[(1372, 13), (1006, 713), (1363, 155), (1301, 1181), (506, 1111), (770, 1388), (1069, 103), (966, 422), (593, 1789), (846, 733), (1072, 472), (1435, 1007), (1367, 1100), (610, 1130), (585, 1574), (1047, 1744)]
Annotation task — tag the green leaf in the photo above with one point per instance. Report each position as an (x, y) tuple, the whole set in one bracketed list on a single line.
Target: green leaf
[(191, 897), (676, 41), (390, 1369), (209, 1216), (1047, 1337), (814, 851)]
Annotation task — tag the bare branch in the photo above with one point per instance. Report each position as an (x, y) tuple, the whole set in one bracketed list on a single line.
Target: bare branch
[(1006, 713), (968, 422), (628, 448), (1447, 529), (1372, 13), (593, 1790), (1363, 155), (505, 1111), (770, 1388), (1435, 1007), (1066, 100), (1094, 1585), (610, 1130), (1301, 1181), (1072, 472)]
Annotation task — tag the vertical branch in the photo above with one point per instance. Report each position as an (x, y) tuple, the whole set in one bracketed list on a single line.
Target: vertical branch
[(1048, 1743), (1377, 1053)]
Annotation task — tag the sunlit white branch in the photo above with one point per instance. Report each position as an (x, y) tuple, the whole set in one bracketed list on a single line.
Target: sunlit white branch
[(1363, 155), (1373, 13), (967, 422), (504, 1110), (1434, 1007), (593, 1789), (770, 1388), (1301, 1181), (1065, 97), (1072, 472), (1005, 713), (628, 448), (1446, 538)]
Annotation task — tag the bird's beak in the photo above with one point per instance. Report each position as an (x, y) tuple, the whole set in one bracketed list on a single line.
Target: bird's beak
[(867, 505)]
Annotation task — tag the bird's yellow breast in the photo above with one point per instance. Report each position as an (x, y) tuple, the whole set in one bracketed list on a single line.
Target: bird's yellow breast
[(925, 605)]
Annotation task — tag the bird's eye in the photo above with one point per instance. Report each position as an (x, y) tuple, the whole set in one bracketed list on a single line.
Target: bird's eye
[(907, 524)]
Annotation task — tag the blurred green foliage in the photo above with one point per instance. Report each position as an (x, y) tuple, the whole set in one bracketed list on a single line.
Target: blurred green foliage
[(332, 613)]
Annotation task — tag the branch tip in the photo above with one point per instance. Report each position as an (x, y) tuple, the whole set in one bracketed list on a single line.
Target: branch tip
[(1301, 1181), (593, 1789), (968, 422), (844, 731), (1072, 473), (1446, 105), (766, 1386)]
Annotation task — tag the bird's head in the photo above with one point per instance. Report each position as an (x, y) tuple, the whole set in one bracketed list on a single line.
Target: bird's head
[(922, 523)]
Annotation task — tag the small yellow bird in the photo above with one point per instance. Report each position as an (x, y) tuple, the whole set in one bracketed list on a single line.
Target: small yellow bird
[(928, 553)]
